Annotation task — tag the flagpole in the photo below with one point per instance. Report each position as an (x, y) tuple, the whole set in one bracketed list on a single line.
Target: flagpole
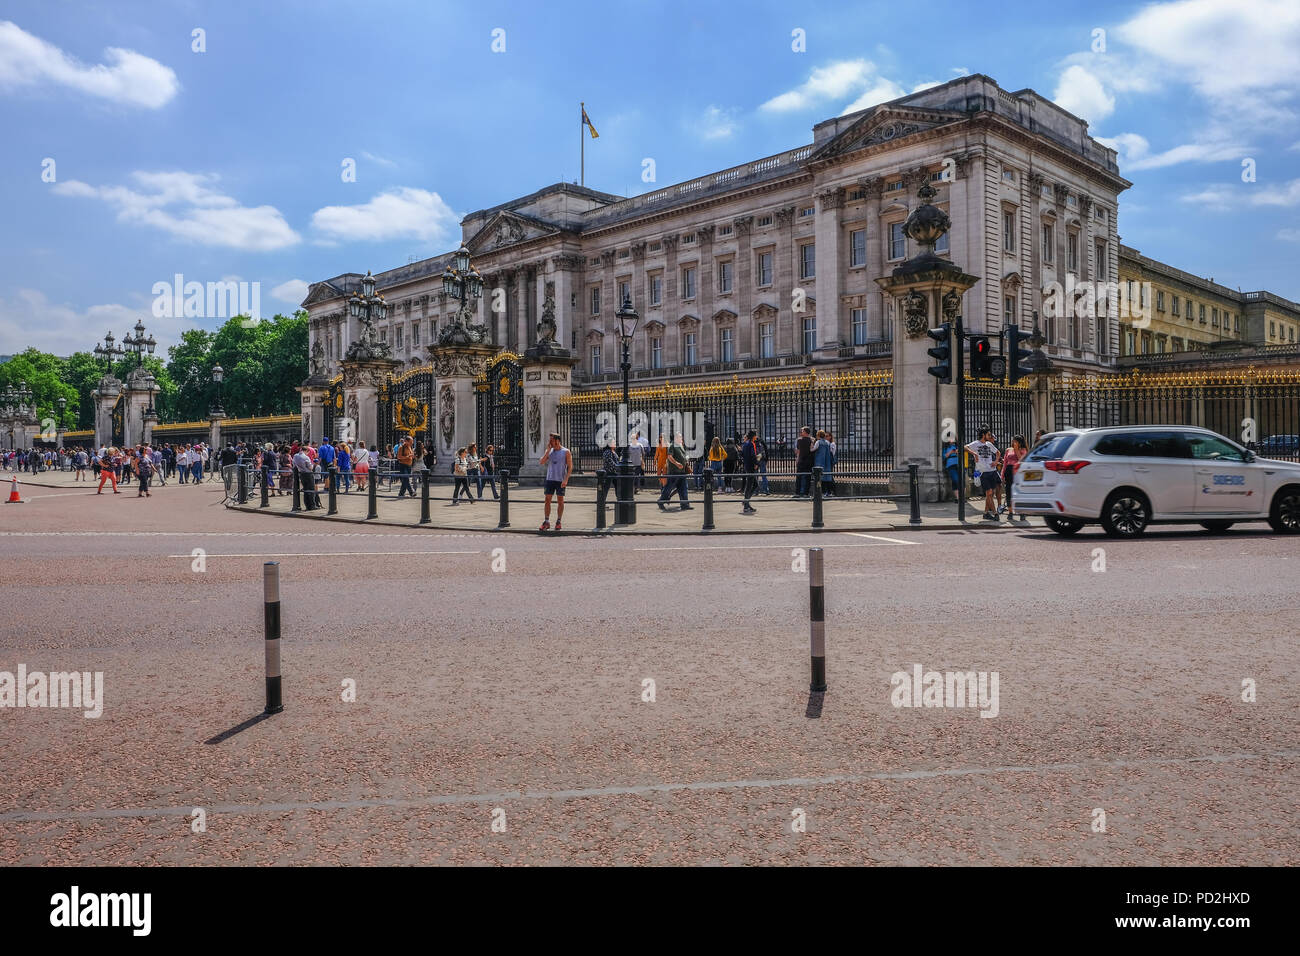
[(582, 141)]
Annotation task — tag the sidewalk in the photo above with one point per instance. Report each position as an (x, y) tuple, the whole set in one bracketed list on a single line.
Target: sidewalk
[(526, 507)]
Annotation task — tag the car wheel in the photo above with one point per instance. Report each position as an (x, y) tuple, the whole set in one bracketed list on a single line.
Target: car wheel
[(1216, 526), (1065, 526), (1126, 514), (1284, 515)]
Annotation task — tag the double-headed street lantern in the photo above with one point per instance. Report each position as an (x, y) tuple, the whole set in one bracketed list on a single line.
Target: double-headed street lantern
[(368, 307), (218, 373), (625, 505), (138, 344)]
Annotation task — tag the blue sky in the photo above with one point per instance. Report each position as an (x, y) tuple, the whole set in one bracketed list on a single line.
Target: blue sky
[(227, 163)]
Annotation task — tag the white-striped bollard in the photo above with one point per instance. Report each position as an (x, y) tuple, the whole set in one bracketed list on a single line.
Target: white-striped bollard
[(271, 595), (817, 618)]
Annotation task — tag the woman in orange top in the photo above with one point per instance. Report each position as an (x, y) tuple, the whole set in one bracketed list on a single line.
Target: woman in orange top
[(661, 460)]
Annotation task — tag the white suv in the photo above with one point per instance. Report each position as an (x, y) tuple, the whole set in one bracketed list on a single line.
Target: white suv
[(1127, 478)]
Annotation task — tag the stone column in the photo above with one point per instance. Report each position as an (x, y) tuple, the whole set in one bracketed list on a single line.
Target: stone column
[(312, 394), (747, 346), (149, 421), (105, 397), (826, 285), (784, 280), (456, 367), (547, 378), (214, 430), (566, 276), (672, 306), (874, 189), (362, 380), (920, 405)]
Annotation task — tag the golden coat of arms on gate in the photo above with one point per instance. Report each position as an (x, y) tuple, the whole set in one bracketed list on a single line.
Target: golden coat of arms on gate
[(411, 415), (505, 385)]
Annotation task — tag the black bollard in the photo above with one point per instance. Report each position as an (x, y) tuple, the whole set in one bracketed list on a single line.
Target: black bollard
[(241, 484), (266, 492), (504, 521), (424, 497), (332, 476), (271, 600), (297, 490), (708, 500), (817, 619), (914, 492), (372, 495), (600, 500), (817, 498)]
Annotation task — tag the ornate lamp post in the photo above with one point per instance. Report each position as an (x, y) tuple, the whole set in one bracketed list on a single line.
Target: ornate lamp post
[(625, 507), (108, 352), (218, 373), (139, 344), (462, 282), (369, 308)]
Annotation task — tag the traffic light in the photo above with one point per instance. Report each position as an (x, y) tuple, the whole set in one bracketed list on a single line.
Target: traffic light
[(981, 356), (941, 353), (1015, 354)]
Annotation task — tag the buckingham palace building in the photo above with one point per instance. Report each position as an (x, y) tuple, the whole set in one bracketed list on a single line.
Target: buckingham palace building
[(771, 265)]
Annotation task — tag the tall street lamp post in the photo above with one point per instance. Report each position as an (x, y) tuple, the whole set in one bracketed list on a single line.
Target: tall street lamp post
[(218, 373), (462, 282), (625, 506)]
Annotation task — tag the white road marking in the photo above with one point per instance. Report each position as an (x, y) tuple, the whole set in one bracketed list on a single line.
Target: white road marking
[(878, 537), (316, 554), (30, 816), (759, 547), (226, 534)]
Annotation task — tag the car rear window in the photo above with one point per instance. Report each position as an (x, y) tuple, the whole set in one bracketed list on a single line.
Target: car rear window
[(1052, 447)]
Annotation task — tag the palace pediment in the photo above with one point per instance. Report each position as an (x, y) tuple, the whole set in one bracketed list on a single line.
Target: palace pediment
[(885, 124), (508, 229)]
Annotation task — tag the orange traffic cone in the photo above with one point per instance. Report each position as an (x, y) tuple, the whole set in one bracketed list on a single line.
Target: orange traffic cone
[(13, 493)]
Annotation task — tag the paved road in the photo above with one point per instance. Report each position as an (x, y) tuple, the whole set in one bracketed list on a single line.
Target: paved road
[(517, 695)]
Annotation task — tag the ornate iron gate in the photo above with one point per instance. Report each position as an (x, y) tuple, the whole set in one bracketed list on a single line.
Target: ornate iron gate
[(499, 400), (1008, 410), (333, 408), (119, 421), (406, 407)]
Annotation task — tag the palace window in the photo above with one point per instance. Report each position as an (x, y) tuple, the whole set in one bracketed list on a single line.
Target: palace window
[(398, 339), (1173, 302), (624, 293), (1072, 252), (1129, 339), (727, 341), (764, 268), (897, 241), (688, 283), (1049, 242), (766, 341), (894, 187), (858, 320), (1008, 309), (806, 211), (857, 194), (691, 349), (1271, 331), (1101, 261), (415, 333), (595, 300), (724, 276), (1008, 230), (657, 352), (1214, 318), (807, 261), (1008, 175), (858, 247), (1160, 301), (765, 220), (383, 336), (656, 289), (724, 230), (1200, 311), (1236, 322), (810, 333), (595, 360), (942, 244)]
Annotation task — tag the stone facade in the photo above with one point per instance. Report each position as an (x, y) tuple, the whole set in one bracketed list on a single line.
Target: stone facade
[(772, 264), (1189, 313)]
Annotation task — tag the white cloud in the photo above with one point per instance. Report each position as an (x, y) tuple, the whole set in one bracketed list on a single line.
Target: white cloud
[(403, 213), (127, 77), (1135, 152), (717, 123), (293, 291), (927, 85), (1082, 93), (1294, 147), (1289, 235), (187, 206), (382, 161), (29, 319), (1247, 194), (836, 81), (882, 91)]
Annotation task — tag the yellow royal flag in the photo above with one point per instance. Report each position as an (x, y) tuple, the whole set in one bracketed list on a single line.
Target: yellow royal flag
[(587, 120)]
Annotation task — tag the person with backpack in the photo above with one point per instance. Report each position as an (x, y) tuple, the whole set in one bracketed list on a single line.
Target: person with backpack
[(460, 469), (749, 457), (303, 464), (824, 458), (986, 469), (405, 459), (717, 456)]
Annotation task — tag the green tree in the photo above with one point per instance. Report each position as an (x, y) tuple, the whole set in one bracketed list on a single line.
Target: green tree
[(45, 375)]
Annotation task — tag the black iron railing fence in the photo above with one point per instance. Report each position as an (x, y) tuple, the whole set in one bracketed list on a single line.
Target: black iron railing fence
[(856, 408)]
